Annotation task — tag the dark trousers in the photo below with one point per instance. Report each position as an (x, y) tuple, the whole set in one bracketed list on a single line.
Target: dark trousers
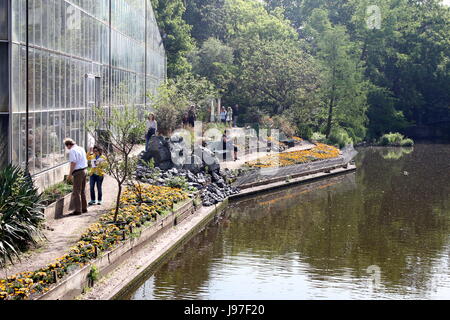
[(151, 132), (78, 201), (96, 180)]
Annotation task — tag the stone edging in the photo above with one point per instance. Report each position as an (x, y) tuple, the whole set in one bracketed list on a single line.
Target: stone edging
[(56, 209)]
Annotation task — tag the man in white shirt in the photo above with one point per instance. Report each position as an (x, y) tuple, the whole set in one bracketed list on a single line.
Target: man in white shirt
[(77, 173)]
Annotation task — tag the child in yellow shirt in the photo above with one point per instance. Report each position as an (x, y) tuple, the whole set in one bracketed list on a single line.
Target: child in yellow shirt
[(96, 172)]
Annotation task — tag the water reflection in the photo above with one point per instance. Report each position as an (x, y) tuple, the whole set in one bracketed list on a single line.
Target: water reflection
[(316, 241)]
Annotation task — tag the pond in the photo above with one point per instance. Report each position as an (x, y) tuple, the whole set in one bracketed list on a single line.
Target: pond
[(382, 232)]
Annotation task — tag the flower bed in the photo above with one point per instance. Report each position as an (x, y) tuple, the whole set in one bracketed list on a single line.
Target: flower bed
[(320, 152), (101, 236)]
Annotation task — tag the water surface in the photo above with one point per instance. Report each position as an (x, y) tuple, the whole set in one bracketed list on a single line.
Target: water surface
[(382, 232)]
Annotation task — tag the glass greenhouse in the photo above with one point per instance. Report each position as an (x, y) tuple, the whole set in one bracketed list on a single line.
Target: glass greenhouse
[(75, 54)]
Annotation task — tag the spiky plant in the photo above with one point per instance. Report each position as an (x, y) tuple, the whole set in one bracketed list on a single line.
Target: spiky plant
[(21, 213)]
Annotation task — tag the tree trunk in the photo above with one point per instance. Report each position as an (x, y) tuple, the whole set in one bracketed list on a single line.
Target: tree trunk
[(119, 192), (330, 117)]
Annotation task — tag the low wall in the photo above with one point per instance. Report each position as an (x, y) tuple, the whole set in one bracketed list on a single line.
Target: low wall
[(50, 177), (56, 209)]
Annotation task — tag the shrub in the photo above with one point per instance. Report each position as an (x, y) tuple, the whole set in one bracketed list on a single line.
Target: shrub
[(395, 139), (339, 137), (318, 137), (280, 123), (305, 132), (178, 182), (21, 212)]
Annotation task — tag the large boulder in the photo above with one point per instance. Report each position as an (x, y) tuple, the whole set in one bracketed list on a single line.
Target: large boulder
[(194, 164), (159, 151)]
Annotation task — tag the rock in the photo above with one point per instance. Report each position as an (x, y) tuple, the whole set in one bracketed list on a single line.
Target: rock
[(165, 165), (208, 158), (159, 151), (194, 165), (215, 177)]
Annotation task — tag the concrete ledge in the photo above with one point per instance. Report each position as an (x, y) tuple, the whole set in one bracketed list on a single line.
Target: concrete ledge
[(57, 209), (132, 280), (258, 187)]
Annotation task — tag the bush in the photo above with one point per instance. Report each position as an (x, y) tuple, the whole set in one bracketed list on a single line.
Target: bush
[(178, 182), (395, 139), (339, 137), (305, 132), (21, 212), (318, 137)]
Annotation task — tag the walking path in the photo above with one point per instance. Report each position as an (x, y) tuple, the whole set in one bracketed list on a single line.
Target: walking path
[(64, 233)]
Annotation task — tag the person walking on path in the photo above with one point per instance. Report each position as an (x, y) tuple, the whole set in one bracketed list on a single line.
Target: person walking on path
[(77, 173), (230, 117), (96, 171), (152, 127)]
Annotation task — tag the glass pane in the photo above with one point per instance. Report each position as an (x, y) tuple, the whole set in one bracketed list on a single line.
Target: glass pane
[(4, 78), (3, 20)]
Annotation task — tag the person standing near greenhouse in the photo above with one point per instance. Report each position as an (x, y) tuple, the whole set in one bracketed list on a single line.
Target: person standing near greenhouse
[(77, 173), (96, 173), (152, 127)]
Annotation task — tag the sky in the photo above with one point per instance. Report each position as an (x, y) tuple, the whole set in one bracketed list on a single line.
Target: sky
[(447, 2)]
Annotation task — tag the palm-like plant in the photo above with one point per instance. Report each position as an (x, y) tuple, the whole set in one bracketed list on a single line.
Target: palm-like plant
[(21, 213)]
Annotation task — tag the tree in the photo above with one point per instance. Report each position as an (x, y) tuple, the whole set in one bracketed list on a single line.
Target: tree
[(206, 18), (175, 33), (124, 131), (277, 75), (214, 61), (344, 89), (175, 97)]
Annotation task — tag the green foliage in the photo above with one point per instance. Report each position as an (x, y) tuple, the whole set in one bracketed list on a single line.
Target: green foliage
[(304, 131), (408, 142), (316, 62), (277, 75), (56, 192), (178, 182), (175, 33), (21, 213), (344, 89), (125, 129), (176, 96), (214, 61), (93, 275), (407, 59), (395, 139), (339, 137), (318, 137)]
